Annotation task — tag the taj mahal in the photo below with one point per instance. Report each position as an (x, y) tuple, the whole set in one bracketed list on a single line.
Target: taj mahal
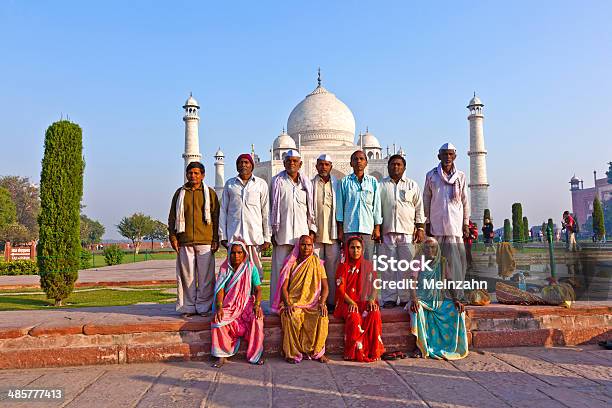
[(322, 123)]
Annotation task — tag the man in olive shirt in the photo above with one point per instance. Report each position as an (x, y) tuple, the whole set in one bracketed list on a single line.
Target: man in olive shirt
[(193, 225)]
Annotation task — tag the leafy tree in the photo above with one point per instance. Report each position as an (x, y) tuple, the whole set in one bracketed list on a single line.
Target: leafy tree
[(507, 231), (25, 195), (91, 231), (135, 228), (525, 229), (517, 223), (61, 190), (8, 212), (15, 233), (159, 232), (599, 228), (113, 255)]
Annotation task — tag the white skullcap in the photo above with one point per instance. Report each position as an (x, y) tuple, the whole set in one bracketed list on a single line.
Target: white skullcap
[(325, 157), (447, 146), (292, 153)]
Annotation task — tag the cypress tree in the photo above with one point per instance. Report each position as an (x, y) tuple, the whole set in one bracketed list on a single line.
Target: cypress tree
[(525, 229), (544, 231), (517, 223), (551, 224), (61, 189), (487, 214), (507, 230), (599, 228)]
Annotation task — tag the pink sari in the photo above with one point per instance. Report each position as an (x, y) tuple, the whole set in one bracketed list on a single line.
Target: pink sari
[(238, 317)]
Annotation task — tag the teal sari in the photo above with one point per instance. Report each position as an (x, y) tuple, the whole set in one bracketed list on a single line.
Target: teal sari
[(438, 327)]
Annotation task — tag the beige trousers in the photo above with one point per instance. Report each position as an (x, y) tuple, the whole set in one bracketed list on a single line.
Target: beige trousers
[(330, 255), (195, 277), (279, 254)]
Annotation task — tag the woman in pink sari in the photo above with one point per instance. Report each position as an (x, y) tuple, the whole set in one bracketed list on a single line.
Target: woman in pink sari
[(237, 308)]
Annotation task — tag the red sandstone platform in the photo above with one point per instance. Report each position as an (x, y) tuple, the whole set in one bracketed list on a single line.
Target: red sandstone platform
[(147, 333)]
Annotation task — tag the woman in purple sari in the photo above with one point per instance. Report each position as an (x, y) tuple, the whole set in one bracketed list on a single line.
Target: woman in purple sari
[(237, 308)]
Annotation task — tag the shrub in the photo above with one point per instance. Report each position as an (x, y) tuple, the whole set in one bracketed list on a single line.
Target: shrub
[(19, 267), (517, 224), (113, 255), (85, 259)]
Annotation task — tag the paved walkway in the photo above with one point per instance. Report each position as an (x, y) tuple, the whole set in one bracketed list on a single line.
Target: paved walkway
[(517, 377)]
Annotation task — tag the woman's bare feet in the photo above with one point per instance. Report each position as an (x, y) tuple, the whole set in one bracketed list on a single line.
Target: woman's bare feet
[(323, 359), (290, 360), (219, 363)]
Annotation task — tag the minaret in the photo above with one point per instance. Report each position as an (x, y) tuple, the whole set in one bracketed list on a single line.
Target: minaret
[(192, 140), (479, 185), (219, 173)]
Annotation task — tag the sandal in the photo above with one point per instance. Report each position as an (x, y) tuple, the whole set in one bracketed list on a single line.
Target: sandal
[(389, 356), (401, 355), (260, 362)]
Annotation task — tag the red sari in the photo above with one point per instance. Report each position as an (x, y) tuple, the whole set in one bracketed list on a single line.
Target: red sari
[(362, 329)]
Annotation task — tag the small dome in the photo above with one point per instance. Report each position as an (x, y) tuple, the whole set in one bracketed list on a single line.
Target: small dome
[(370, 141), (401, 152), (191, 101), (219, 153), (575, 180), (284, 141), (475, 101)]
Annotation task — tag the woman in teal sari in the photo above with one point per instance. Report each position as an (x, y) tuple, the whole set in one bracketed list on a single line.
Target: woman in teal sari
[(438, 323)]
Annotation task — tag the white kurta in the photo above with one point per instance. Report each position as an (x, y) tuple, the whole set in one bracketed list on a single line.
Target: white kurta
[(293, 212), (445, 216)]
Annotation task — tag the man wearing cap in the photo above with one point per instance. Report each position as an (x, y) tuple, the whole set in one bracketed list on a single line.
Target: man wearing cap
[(447, 209), (193, 225), (291, 213), (245, 210), (358, 205), (403, 225), (327, 247)]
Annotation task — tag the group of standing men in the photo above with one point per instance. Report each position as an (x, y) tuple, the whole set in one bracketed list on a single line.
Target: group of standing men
[(389, 216)]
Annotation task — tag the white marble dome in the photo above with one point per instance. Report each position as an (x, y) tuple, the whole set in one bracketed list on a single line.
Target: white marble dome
[(219, 153), (322, 119), (284, 141), (191, 101), (371, 141), (475, 101)]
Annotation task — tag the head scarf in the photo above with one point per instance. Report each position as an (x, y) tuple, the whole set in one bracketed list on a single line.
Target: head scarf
[(365, 286)]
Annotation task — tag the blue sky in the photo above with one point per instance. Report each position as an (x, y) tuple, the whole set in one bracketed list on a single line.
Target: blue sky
[(123, 70)]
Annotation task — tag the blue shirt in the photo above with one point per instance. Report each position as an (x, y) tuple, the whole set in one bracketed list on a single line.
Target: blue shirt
[(358, 204)]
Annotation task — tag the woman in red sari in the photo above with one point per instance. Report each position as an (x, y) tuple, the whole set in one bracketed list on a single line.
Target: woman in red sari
[(356, 303)]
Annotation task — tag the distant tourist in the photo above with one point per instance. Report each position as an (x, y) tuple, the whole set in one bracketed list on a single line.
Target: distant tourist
[(358, 210), (469, 242), (300, 298), (193, 225), (447, 209), (438, 323), (403, 225), (292, 213), (569, 225), (357, 305), (488, 234), (327, 247), (245, 211), (237, 308)]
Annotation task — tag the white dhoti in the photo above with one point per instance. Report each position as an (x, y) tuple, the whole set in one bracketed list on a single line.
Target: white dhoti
[(279, 254), (195, 276), (398, 247), (330, 255), (453, 249)]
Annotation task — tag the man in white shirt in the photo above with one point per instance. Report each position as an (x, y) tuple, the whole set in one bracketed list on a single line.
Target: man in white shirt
[(447, 209), (291, 214), (245, 210), (403, 225), (327, 246)]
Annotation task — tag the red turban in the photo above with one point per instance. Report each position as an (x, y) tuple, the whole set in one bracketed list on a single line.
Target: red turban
[(246, 156)]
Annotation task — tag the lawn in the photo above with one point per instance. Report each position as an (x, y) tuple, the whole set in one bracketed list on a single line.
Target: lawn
[(129, 257), (102, 297)]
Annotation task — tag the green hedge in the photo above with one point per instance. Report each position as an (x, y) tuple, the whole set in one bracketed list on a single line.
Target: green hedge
[(20, 267), (113, 255)]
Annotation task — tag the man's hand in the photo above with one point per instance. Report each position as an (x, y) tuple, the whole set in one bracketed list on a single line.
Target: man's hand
[(214, 247), (428, 229), (418, 236), (266, 246), (224, 243), (466, 231), (340, 236), (313, 235), (274, 241), (219, 315), (258, 312), (376, 233), (372, 306), (174, 244), (323, 309)]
